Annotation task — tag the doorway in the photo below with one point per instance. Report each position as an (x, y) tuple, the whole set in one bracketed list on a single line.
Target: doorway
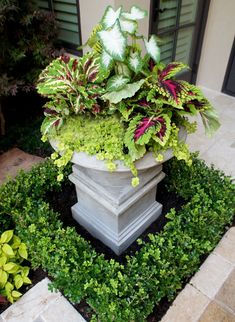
[(180, 26), (229, 80)]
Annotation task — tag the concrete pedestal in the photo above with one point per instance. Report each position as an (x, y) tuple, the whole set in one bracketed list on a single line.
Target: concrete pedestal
[(109, 207)]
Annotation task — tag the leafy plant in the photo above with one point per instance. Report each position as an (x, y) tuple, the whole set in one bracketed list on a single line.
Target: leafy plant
[(27, 38), (129, 291), (12, 275), (116, 78)]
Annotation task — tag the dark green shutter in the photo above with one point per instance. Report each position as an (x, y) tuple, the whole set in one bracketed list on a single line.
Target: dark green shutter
[(66, 14)]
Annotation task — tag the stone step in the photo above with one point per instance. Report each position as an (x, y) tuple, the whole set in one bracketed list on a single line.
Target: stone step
[(41, 305), (13, 161)]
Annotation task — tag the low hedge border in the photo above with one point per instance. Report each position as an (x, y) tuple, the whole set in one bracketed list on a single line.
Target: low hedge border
[(119, 292)]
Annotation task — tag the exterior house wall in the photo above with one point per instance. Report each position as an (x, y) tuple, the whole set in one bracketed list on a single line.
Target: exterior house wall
[(217, 44)]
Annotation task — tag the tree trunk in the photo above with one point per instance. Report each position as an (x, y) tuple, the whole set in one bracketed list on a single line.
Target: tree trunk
[(2, 122)]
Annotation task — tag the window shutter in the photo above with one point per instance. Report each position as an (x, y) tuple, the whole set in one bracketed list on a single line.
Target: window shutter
[(66, 14)]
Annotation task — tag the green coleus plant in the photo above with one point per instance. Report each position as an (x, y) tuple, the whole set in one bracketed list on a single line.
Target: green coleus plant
[(134, 94), (12, 274)]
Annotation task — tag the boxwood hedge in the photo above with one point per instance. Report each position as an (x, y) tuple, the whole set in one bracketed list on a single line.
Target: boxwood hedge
[(119, 292)]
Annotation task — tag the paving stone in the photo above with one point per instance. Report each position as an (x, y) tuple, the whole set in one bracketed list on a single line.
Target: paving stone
[(226, 295), (29, 307), (187, 307), (215, 313), (61, 310), (212, 274), (13, 161), (226, 247)]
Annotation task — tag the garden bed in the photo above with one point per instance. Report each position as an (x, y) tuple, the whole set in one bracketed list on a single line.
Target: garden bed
[(127, 288)]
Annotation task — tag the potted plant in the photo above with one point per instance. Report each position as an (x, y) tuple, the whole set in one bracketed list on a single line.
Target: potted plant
[(120, 110)]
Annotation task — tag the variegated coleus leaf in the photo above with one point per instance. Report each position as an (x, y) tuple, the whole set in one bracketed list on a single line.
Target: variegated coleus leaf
[(157, 128), (152, 48), (117, 82), (128, 26), (59, 76), (92, 68), (135, 14), (171, 70), (50, 123), (114, 41), (135, 62), (110, 17)]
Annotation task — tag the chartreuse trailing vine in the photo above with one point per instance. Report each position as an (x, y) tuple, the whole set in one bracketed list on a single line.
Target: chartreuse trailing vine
[(116, 81), (122, 292)]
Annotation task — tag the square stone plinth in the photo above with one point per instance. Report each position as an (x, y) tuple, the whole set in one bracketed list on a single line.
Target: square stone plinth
[(15, 160)]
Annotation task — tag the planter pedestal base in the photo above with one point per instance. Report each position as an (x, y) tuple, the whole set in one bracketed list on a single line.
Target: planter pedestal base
[(111, 209)]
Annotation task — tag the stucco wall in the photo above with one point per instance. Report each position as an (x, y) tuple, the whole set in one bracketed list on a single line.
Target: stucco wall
[(217, 44)]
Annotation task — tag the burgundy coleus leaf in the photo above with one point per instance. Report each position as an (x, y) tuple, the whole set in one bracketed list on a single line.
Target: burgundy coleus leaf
[(87, 64), (75, 64), (142, 127), (171, 70), (160, 130), (49, 112), (65, 59), (151, 64), (172, 87), (92, 76), (143, 102), (163, 127)]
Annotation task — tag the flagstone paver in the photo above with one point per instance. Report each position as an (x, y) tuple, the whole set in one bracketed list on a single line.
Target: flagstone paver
[(13, 161), (226, 246), (226, 294), (188, 306), (41, 305), (212, 274), (216, 313)]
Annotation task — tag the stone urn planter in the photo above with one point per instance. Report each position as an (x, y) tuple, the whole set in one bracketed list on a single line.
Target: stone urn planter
[(108, 206)]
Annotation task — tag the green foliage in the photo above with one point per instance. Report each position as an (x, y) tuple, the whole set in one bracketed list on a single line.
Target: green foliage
[(27, 42), (117, 78), (12, 275), (119, 292)]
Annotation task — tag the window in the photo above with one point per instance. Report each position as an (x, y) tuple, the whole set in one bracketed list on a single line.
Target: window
[(68, 16)]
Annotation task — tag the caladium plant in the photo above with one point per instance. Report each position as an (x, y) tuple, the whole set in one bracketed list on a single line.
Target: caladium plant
[(117, 79)]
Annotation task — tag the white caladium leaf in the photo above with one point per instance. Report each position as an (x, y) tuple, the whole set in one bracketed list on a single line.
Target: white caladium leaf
[(117, 82), (128, 26), (128, 91), (152, 48), (135, 62), (135, 14), (113, 41), (106, 60), (110, 16)]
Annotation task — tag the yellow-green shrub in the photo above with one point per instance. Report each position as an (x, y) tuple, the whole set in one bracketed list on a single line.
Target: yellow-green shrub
[(12, 275)]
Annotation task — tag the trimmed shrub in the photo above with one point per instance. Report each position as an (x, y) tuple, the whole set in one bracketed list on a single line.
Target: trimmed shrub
[(119, 292)]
